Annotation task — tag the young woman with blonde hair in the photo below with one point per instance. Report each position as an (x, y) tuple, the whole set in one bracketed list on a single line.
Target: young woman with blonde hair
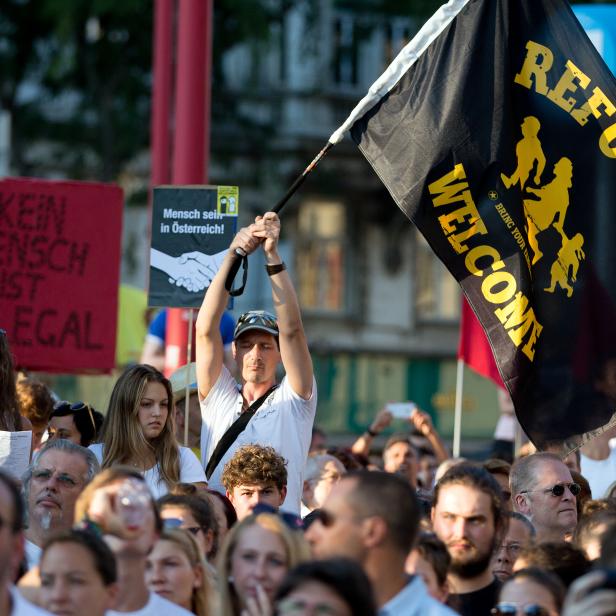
[(255, 557), (138, 431), (175, 570)]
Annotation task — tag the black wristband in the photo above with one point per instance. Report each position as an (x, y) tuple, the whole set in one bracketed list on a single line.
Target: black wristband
[(275, 269), (372, 433)]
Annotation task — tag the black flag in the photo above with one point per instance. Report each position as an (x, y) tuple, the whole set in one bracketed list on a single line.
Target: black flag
[(495, 133)]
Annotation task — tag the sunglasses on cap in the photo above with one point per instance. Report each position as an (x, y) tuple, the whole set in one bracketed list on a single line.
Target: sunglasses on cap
[(511, 609), (292, 521), (559, 489), (256, 319), (76, 407)]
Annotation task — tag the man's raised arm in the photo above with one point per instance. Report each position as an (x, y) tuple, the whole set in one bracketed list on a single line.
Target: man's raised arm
[(293, 345), (208, 343)]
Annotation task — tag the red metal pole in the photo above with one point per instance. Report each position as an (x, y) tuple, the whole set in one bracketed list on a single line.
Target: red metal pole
[(191, 142), (162, 92)]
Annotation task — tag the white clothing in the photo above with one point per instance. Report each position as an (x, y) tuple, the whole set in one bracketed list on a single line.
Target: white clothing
[(190, 470), (284, 422), (33, 554), (23, 607), (599, 473), (156, 606), (414, 600)]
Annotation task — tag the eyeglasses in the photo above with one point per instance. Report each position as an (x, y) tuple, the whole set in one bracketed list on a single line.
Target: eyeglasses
[(511, 609), (559, 489), (64, 479), (326, 518), (292, 521), (75, 408), (511, 548)]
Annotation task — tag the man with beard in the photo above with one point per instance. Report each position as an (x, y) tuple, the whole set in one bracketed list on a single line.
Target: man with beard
[(543, 490), (372, 517), (468, 515), (54, 480)]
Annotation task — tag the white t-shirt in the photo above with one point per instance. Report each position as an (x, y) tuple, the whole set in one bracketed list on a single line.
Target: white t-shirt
[(191, 470), (22, 607), (284, 422), (156, 606), (600, 473)]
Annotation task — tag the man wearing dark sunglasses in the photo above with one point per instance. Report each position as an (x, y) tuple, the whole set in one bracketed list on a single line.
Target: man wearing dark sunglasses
[(372, 517), (258, 411), (542, 490)]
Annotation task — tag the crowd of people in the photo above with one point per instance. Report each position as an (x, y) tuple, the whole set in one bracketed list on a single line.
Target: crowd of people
[(257, 516)]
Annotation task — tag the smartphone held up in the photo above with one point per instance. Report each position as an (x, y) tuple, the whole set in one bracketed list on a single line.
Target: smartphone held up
[(401, 410)]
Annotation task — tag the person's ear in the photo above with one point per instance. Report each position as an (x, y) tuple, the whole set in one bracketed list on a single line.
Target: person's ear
[(230, 497), (112, 594), (374, 531), (233, 350), (432, 515), (283, 494), (521, 504), (209, 541), (443, 591), (199, 575)]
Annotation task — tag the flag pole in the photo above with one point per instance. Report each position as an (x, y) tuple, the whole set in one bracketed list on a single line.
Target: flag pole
[(457, 419), (239, 254)]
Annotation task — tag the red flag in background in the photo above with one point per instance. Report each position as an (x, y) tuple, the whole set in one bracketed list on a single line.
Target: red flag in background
[(474, 349)]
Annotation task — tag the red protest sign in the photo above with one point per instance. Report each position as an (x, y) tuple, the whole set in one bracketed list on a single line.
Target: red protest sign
[(59, 273)]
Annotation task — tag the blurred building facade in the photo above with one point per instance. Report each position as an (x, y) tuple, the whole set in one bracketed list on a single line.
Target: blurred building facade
[(380, 311)]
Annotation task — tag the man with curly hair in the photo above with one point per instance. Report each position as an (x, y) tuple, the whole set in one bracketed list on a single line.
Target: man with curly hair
[(255, 475)]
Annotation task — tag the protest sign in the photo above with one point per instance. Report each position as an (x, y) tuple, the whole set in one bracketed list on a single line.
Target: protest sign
[(192, 227), (59, 273)]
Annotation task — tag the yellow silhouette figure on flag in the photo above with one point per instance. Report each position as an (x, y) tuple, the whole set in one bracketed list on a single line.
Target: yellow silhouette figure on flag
[(528, 151), (551, 207), (567, 264)]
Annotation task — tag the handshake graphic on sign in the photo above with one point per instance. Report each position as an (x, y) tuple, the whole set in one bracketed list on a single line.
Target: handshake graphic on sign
[(193, 271)]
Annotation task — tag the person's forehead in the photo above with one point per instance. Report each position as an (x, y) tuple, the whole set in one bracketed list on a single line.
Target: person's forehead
[(62, 461), (256, 336), (260, 538), (463, 500), (518, 531), (400, 447), (339, 497), (549, 472), (526, 591), (257, 487), (66, 421), (333, 466), (155, 389), (177, 511)]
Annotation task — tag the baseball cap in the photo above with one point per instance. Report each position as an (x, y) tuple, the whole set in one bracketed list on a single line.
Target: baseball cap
[(178, 380), (257, 320)]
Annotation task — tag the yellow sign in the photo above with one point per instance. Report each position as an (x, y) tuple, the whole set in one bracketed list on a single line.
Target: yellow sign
[(228, 200)]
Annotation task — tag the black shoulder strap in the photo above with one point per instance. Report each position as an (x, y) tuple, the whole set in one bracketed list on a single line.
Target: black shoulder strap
[(234, 430)]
